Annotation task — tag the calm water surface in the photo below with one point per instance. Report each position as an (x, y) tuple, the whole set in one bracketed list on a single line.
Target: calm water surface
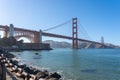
[(83, 64)]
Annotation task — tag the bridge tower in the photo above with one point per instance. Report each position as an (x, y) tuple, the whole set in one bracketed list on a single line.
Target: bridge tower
[(40, 36), (11, 30), (102, 40), (74, 33)]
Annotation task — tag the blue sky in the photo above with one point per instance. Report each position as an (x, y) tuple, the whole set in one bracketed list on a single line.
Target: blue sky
[(98, 17)]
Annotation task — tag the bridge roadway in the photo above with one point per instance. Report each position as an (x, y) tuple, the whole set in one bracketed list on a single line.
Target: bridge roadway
[(50, 34), (67, 37)]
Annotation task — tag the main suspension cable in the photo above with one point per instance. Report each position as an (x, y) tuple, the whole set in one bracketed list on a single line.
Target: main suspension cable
[(60, 25)]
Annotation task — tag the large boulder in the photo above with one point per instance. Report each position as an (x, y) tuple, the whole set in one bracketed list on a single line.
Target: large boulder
[(55, 75), (9, 55), (53, 79), (41, 75)]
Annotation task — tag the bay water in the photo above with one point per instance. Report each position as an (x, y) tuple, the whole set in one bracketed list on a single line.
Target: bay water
[(76, 64)]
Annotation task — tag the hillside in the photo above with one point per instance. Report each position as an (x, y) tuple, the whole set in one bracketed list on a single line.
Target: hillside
[(56, 44), (9, 42)]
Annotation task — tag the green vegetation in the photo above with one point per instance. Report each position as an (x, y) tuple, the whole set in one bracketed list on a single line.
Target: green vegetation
[(10, 42)]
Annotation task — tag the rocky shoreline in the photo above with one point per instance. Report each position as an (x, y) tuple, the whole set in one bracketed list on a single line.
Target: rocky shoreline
[(23, 71)]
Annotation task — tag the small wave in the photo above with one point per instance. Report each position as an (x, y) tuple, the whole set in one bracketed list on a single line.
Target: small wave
[(30, 64)]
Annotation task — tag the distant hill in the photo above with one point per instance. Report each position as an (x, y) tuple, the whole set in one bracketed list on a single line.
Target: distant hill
[(57, 44), (111, 45)]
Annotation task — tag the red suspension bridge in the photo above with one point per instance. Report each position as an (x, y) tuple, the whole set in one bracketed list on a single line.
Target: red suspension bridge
[(36, 36)]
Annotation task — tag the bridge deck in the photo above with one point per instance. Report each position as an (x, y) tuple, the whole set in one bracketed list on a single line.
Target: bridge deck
[(67, 37), (50, 34)]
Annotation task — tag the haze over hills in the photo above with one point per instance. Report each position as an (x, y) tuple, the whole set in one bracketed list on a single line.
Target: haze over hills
[(57, 44)]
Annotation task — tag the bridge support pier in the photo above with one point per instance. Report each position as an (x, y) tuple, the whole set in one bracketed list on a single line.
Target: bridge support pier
[(11, 30)]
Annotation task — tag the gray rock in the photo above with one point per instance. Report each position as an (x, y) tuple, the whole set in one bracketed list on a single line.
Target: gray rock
[(41, 75), (55, 75), (53, 79)]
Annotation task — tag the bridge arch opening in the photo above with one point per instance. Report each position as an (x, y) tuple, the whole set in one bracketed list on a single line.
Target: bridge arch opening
[(25, 40), (2, 33)]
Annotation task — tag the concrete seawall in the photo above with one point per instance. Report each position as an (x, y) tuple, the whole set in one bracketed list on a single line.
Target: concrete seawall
[(36, 46), (30, 46)]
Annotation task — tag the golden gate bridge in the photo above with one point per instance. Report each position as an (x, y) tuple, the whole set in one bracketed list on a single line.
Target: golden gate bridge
[(36, 36)]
